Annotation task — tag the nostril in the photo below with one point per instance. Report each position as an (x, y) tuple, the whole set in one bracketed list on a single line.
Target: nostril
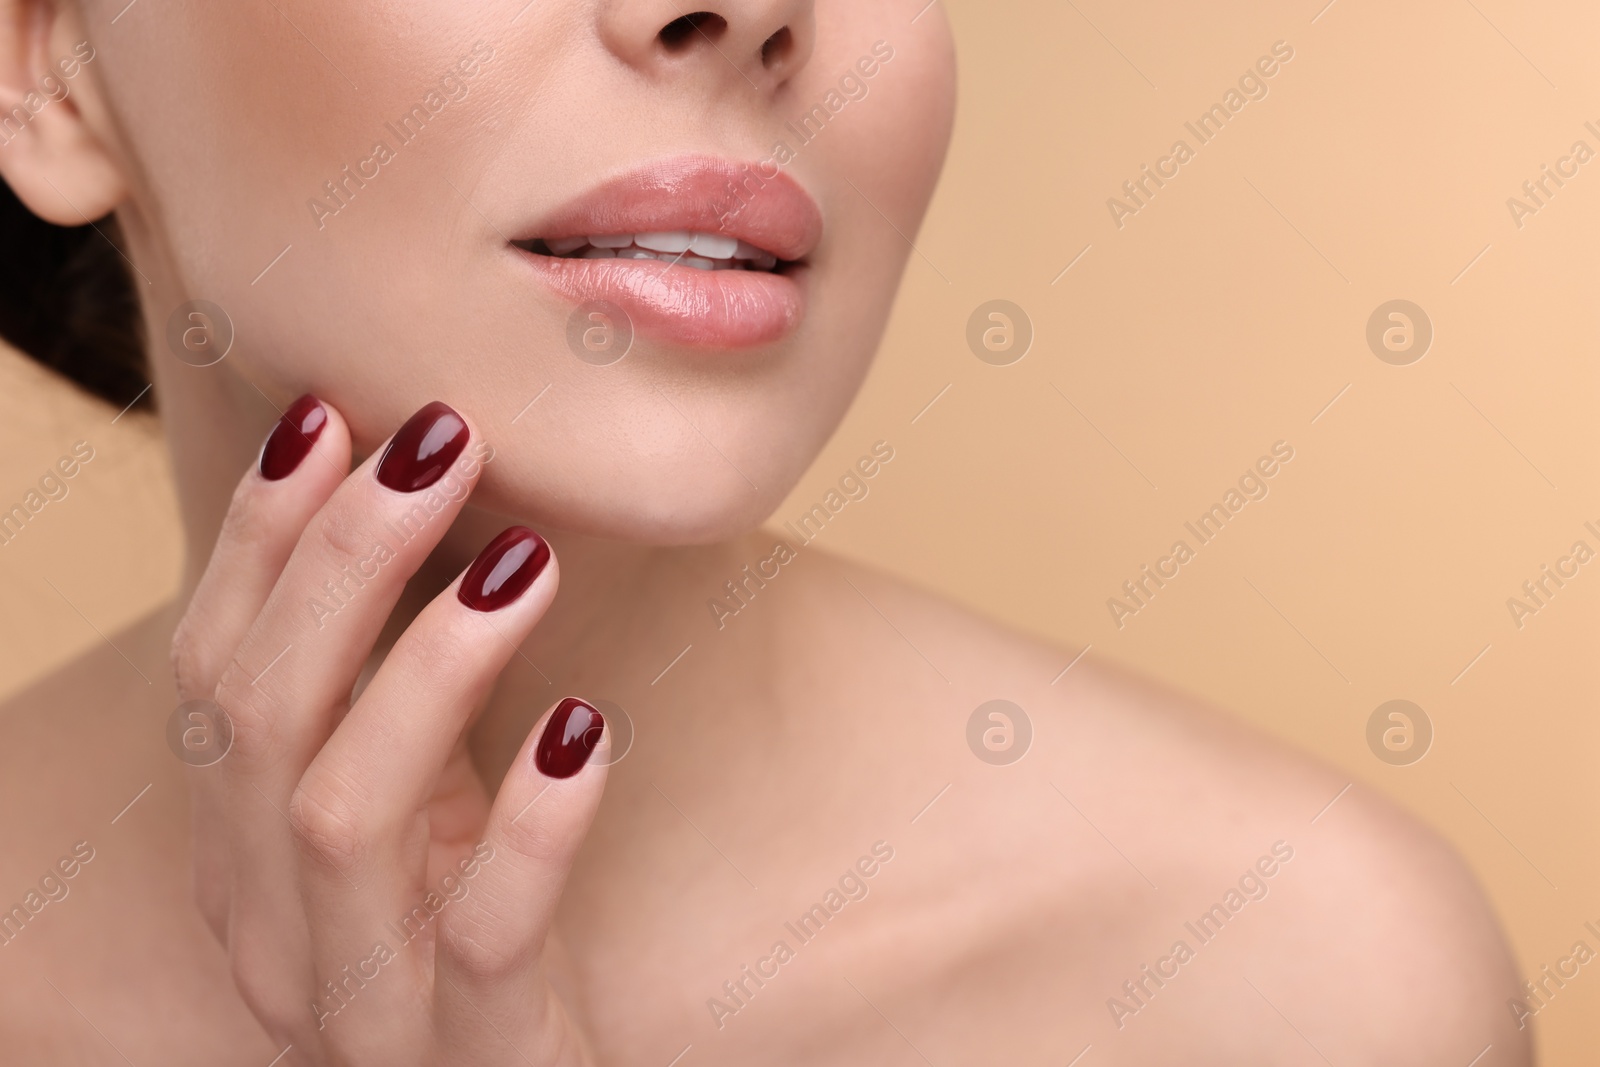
[(682, 32), (776, 48)]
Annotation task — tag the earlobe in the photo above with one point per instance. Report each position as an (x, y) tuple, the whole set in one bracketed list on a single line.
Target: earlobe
[(50, 155)]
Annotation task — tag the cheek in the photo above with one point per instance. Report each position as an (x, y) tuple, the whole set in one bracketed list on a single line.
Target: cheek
[(907, 117), (890, 146), (407, 293), (249, 128)]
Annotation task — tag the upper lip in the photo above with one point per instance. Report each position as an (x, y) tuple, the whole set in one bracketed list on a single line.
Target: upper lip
[(703, 194)]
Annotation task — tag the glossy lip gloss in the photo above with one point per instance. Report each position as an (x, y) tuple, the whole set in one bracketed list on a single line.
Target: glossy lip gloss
[(696, 194)]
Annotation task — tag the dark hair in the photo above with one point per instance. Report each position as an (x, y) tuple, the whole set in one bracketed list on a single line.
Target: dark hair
[(67, 300)]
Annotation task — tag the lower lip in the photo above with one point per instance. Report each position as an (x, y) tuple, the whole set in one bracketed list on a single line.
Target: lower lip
[(684, 305)]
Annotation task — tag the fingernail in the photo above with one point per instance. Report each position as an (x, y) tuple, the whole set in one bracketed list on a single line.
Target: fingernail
[(291, 439), (504, 569), (569, 737), (423, 449)]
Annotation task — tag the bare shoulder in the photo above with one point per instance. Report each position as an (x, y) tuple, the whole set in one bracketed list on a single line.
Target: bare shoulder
[(1309, 908), (97, 930)]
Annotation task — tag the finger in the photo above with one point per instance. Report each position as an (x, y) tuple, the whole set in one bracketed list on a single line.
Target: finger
[(292, 675), (301, 463), (293, 672), (383, 760), (370, 785), (488, 957)]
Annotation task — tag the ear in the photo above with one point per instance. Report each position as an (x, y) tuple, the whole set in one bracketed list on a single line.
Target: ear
[(50, 156)]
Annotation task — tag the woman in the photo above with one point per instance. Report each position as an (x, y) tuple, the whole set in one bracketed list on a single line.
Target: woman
[(611, 272)]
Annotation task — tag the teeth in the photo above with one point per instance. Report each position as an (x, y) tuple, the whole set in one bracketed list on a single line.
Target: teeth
[(673, 241), (713, 246), (702, 251), (567, 244)]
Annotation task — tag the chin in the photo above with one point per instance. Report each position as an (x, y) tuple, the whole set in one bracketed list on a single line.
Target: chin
[(748, 245), (663, 500)]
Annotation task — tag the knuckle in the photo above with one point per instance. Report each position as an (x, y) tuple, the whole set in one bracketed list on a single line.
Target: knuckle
[(247, 531), (539, 840), (342, 534), (328, 826), (248, 522), (255, 727), (454, 659), (191, 660), (477, 953)]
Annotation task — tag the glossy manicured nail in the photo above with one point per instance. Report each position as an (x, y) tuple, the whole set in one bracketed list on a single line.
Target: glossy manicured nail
[(423, 449), (569, 738), (504, 569), (291, 439)]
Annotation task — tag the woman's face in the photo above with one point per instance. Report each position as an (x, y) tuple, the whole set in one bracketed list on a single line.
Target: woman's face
[(372, 191)]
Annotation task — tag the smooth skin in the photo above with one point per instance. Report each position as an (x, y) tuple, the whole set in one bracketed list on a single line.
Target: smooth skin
[(826, 723), (326, 817)]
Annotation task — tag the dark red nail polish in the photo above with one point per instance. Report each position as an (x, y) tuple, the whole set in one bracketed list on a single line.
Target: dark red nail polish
[(504, 570), (291, 439), (423, 449), (569, 737)]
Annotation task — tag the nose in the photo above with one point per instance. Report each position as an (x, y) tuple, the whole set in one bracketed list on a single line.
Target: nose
[(759, 44)]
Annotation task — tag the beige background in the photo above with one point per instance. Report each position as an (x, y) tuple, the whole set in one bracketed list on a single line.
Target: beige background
[(1223, 317)]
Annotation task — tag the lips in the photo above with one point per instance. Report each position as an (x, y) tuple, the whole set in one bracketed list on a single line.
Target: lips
[(698, 251)]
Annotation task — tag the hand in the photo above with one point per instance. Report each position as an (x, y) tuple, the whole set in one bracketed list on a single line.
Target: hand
[(378, 908)]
